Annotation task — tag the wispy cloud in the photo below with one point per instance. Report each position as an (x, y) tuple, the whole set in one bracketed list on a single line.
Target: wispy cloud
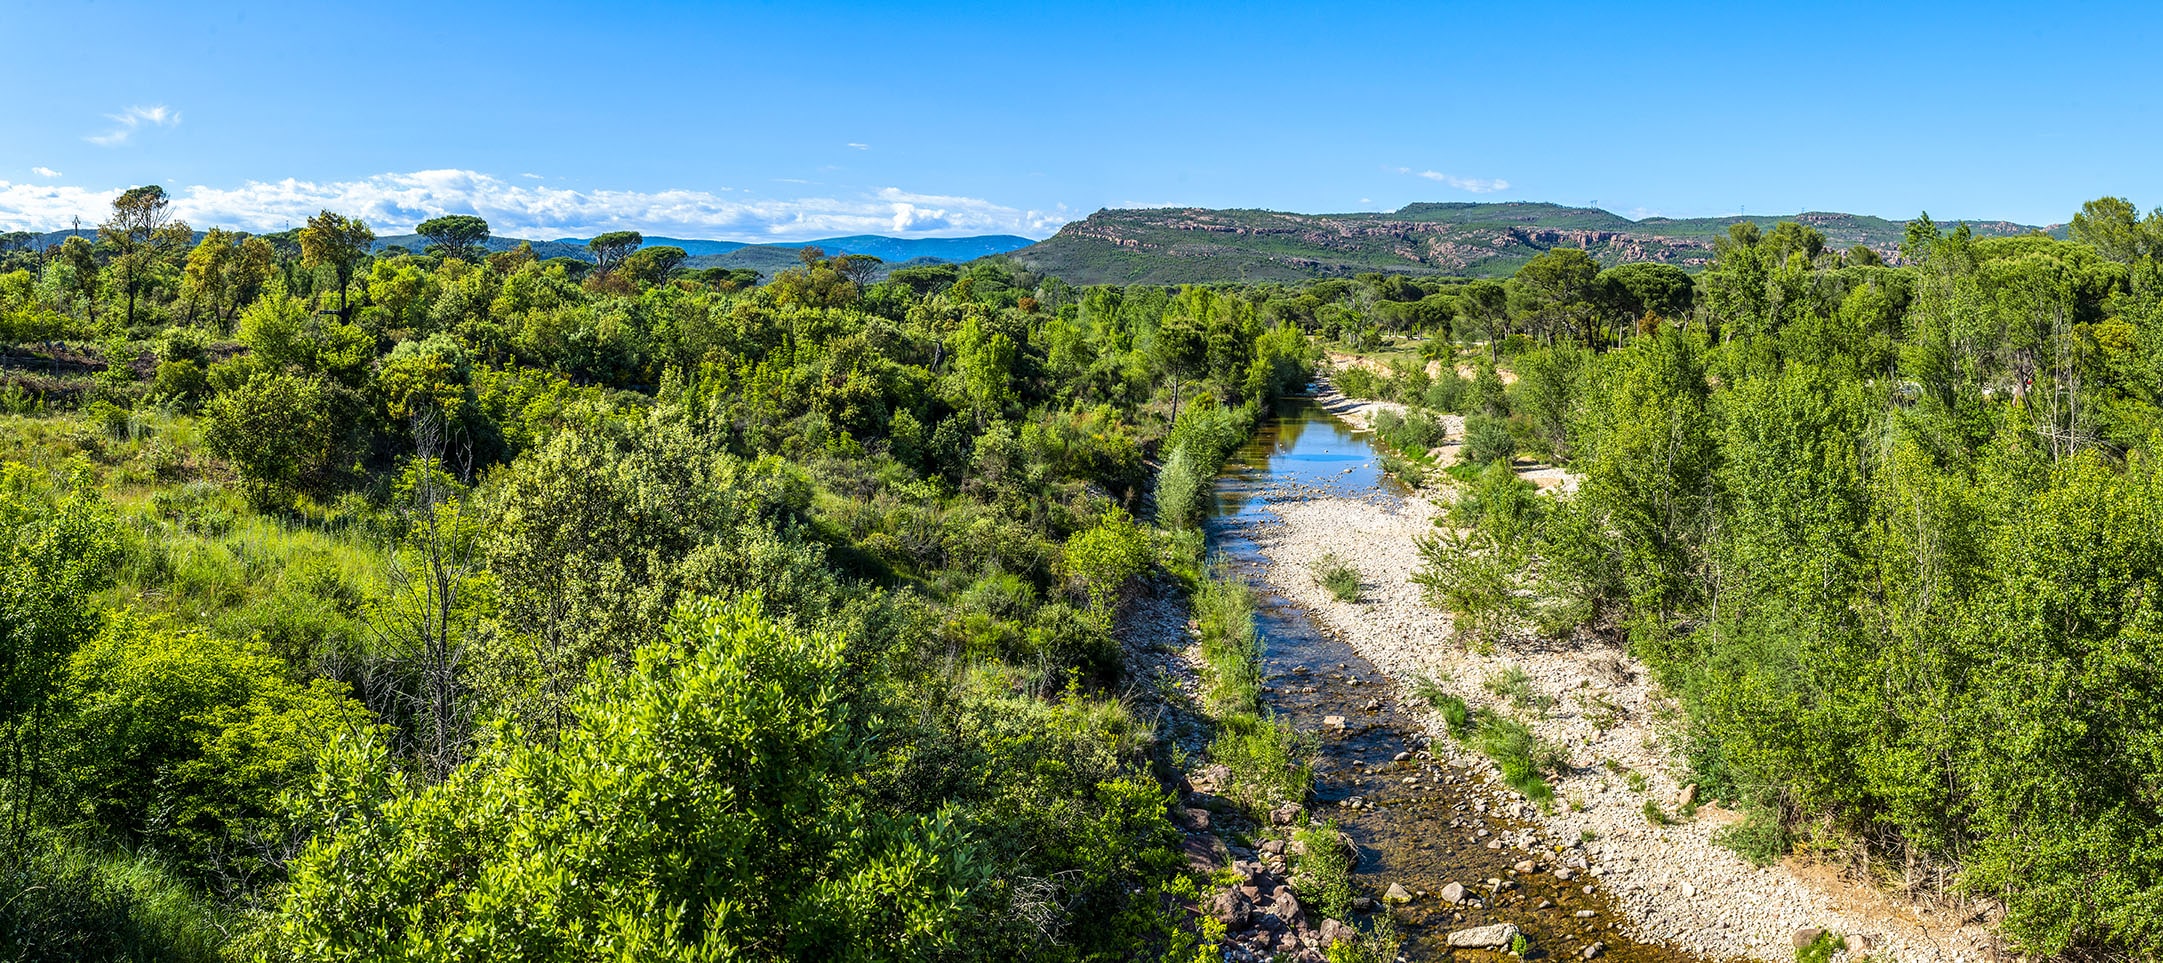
[(44, 172), (856, 146), (532, 176), (1470, 185), (128, 121), (393, 203)]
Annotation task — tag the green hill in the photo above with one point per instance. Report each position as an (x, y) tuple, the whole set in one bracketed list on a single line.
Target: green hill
[(1198, 245)]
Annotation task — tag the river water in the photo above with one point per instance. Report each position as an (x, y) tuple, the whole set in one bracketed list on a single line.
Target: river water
[(1424, 835)]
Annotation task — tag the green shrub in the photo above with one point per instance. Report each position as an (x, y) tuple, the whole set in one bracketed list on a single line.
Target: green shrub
[(1447, 391), (1761, 837), (725, 769), (184, 742), (1523, 759), (1357, 382), (1323, 876), (1487, 439), (1340, 578)]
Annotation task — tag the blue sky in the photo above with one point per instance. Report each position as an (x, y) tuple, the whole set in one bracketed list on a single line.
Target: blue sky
[(791, 121)]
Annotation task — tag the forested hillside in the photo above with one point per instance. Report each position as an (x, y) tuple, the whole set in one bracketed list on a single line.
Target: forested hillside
[(1198, 246), (1891, 535), (460, 605)]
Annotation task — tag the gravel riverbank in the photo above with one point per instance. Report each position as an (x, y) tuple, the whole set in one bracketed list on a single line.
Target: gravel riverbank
[(1676, 884)]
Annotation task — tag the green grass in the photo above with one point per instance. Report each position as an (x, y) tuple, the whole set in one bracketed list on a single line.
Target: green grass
[(1456, 715), (1266, 756), (66, 902), (1522, 757), (1821, 950), (1341, 579), (1513, 685)]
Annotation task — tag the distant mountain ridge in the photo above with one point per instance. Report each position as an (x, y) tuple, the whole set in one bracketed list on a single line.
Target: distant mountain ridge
[(1200, 245)]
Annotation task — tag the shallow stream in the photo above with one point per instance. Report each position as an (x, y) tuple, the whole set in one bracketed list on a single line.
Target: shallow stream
[(1421, 835)]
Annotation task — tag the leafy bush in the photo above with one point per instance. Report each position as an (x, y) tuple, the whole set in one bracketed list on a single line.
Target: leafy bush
[(1487, 440), (1341, 579), (723, 770), (185, 742), (277, 433), (1357, 382), (1523, 759), (1106, 556)]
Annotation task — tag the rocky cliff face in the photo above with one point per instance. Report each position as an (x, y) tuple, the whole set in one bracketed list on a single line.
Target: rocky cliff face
[(1178, 245)]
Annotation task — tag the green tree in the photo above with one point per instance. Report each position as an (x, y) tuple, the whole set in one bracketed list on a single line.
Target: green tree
[(2114, 227), (651, 265), (458, 236), (339, 243), (142, 231), (58, 551), (612, 247), (1558, 289), (277, 433)]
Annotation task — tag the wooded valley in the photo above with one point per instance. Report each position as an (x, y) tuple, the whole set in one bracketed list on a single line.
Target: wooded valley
[(441, 603)]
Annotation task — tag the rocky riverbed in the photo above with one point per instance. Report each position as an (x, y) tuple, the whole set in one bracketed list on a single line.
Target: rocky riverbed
[(1669, 881)]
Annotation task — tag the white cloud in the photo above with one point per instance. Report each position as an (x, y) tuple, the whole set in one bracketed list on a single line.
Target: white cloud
[(133, 119), (1470, 185), (393, 203), (44, 172), (532, 177), (856, 146)]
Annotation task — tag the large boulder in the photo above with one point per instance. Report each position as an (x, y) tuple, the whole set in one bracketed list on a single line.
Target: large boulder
[(1497, 936), (1232, 908), (1332, 932)]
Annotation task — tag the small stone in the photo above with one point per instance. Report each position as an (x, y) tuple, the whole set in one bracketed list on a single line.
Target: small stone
[(1396, 894), (1689, 795), (1402, 756), (1496, 936), (1274, 847), (1453, 893), (1808, 935), (1332, 722), (1525, 866), (1494, 844), (1565, 874), (1593, 951), (1688, 891), (1584, 914), (1196, 819)]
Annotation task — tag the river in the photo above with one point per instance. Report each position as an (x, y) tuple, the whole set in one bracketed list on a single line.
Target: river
[(1450, 825)]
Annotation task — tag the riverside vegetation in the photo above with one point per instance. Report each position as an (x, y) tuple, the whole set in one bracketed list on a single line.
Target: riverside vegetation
[(1889, 533)]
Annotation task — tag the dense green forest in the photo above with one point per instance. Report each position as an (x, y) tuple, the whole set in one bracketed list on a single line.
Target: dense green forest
[(1892, 535), (449, 604), (458, 605)]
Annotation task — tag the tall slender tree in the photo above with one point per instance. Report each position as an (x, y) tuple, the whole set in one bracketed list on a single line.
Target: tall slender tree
[(340, 243)]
